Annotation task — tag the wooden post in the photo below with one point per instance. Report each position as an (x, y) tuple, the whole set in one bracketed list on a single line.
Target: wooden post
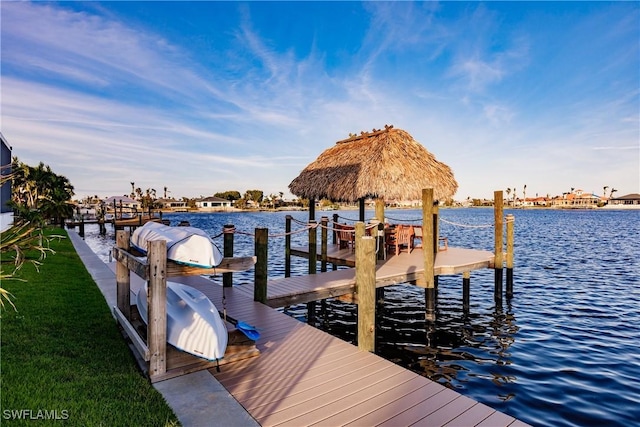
[(365, 288), (313, 247), (260, 276), (287, 246), (323, 245), (380, 209), (428, 251), (361, 209), (466, 291), (334, 266), (379, 206), (436, 240), (499, 240), (157, 307), (312, 210), (510, 239), (81, 231), (123, 277), (228, 231)]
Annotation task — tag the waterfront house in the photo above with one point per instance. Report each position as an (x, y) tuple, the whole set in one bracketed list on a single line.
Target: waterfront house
[(121, 207), (213, 204), (629, 201), (172, 205)]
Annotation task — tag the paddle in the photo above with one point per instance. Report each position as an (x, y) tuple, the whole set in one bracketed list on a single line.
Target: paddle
[(248, 330)]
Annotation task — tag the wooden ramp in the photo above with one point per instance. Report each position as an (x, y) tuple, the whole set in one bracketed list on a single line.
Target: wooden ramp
[(306, 377), (396, 269)]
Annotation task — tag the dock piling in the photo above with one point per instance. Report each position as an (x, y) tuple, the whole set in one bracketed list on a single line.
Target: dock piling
[(287, 246), (366, 289), (510, 239), (466, 291), (429, 253), (499, 243), (261, 249), (157, 307), (323, 245), (228, 232), (313, 247), (123, 277)]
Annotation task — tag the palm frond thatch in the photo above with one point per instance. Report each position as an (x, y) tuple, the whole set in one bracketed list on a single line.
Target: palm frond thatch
[(386, 163)]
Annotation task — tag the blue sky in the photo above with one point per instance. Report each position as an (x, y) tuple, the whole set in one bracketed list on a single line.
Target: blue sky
[(203, 97)]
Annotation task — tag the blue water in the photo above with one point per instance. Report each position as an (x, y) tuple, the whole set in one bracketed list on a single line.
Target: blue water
[(562, 352)]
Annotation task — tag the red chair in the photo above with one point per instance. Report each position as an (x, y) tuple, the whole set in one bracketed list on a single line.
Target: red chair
[(404, 235), (346, 236)]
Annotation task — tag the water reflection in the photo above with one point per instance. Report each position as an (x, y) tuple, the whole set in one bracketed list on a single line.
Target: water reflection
[(441, 350)]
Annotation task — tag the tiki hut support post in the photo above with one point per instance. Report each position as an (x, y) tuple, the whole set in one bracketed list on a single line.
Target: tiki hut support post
[(428, 251), (312, 209), (499, 243), (361, 209), (379, 204), (509, 260)]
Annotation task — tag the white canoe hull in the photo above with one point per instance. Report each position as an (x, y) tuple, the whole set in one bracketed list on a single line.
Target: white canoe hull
[(185, 245), (193, 322)]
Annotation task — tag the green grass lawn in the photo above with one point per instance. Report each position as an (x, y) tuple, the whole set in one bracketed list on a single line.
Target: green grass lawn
[(62, 355)]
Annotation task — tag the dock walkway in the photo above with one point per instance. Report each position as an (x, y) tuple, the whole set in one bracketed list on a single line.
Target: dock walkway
[(304, 376), (396, 269)]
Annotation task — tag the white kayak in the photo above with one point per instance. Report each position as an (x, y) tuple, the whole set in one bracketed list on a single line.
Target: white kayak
[(185, 245), (193, 322)]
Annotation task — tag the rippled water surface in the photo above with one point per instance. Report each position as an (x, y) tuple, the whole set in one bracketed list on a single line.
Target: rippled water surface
[(564, 351)]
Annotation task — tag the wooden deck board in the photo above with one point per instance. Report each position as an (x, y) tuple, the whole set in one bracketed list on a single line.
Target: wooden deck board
[(473, 415), (311, 392), (424, 407), (396, 269), (336, 408)]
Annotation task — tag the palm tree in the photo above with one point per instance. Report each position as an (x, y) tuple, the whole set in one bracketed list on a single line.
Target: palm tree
[(133, 191), (613, 190), (508, 192), (604, 191), (524, 192)]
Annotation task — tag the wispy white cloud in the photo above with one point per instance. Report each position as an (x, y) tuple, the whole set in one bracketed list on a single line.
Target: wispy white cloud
[(106, 103)]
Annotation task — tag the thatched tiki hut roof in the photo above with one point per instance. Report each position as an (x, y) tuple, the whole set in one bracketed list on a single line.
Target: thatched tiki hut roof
[(386, 163)]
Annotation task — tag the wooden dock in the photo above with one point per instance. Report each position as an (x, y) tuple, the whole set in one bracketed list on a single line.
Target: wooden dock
[(304, 376), (396, 269)]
